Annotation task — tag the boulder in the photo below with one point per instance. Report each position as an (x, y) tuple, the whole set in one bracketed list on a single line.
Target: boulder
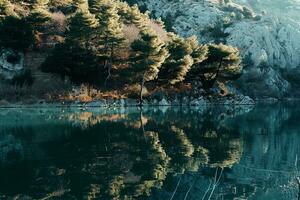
[(11, 64)]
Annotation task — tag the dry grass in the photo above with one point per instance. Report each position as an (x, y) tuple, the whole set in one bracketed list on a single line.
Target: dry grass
[(159, 29), (59, 22), (47, 90), (133, 91), (131, 33), (85, 94)]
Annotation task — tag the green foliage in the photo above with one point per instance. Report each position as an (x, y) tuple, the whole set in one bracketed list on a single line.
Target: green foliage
[(80, 64), (39, 14), (223, 63), (199, 52), (179, 61), (149, 53), (118, 41), (15, 33), (132, 15), (184, 53), (81, 5), (6, 9), (64, 6), (110, 28), (81, 27), (76, 57), (110, 31)]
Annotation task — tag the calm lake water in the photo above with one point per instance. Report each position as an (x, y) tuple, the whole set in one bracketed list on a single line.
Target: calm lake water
[(157, 153)]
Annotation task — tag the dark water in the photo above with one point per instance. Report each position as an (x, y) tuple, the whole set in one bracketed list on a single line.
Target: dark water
[(155, 153)]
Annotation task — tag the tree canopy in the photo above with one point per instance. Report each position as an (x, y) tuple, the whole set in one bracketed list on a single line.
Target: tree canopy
[(149, 53), (121, 44)]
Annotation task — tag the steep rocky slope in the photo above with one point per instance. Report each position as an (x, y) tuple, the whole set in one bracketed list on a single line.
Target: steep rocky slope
[(269, 40)]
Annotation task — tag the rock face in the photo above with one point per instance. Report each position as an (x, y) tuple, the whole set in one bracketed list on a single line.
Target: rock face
[(11, 64), (269, 41)]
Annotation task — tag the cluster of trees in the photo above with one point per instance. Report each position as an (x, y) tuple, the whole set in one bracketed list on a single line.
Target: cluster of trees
[(17, 30), (96, 47)]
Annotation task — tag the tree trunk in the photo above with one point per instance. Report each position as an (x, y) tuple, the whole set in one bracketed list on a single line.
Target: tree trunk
[(109, 66), (142, 87), (213, 81)]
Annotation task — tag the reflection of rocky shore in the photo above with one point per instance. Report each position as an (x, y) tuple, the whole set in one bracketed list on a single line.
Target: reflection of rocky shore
[(129, 154)]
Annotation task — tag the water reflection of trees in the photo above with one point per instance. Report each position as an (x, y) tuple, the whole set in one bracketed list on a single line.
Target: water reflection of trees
[(122, 156)]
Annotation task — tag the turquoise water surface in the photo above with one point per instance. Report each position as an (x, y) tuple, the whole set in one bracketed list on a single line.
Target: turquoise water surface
[(161, 153)]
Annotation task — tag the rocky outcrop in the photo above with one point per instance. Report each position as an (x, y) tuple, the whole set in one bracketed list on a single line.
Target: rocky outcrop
[(11, 63), (269, 42)]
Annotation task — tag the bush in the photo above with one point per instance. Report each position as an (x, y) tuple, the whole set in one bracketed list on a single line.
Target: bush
[(15, 33)]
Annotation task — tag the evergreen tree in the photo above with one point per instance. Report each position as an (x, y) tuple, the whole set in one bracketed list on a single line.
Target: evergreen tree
[(81, 27), (149, 53), (178, 63), (123, 11), (76, 57), (199, 52), (137, 18), (111, 36), (223, 62), (132, 15), (39, 14), (81, 5), (6, 9)]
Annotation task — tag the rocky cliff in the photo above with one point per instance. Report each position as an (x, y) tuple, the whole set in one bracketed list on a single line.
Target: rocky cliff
[(269, 40)]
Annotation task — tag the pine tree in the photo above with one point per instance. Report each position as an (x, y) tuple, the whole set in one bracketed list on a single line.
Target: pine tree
[(178, 63), (39, 13), (200, 52), (6, 9), (81, 27), (223, 62), (111, 36), (81, 5), (149, 53), (123, 12), (77, 57), (132, 15), (137, 18)]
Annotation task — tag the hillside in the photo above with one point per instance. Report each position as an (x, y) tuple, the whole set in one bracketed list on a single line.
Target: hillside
[(90, 50), (266, 32)]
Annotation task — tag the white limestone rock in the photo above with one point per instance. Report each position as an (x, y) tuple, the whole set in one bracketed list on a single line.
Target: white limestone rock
[(269, 40), (11, 64), (164, 102)]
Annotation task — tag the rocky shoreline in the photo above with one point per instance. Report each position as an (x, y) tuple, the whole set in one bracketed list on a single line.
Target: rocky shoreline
[(194, 102), (237, 100)]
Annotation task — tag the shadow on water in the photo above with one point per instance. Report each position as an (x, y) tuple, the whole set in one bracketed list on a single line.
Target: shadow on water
[(155, 153)]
